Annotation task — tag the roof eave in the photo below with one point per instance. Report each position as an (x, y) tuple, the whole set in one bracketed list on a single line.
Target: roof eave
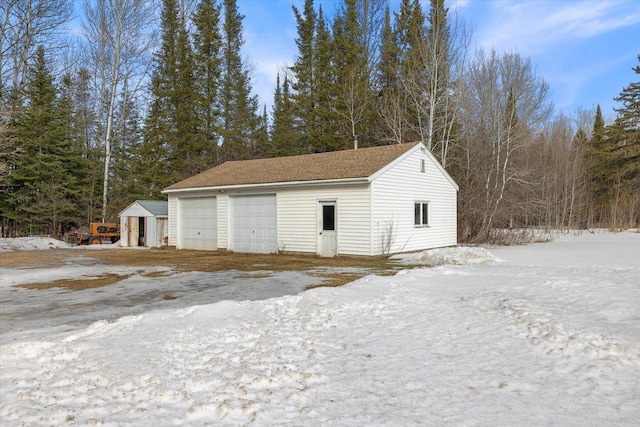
[(224, 188)]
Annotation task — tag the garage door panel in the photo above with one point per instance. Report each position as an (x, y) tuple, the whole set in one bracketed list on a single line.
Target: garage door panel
[(198, 223), (254, 223)]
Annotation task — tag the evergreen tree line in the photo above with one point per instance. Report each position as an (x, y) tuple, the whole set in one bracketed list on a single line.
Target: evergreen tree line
[(151, 98)]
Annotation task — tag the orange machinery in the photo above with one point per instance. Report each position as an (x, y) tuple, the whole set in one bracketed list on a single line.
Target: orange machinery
[(94, 234)]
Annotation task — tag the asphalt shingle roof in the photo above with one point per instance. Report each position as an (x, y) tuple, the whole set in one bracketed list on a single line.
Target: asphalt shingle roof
[(345, 164)]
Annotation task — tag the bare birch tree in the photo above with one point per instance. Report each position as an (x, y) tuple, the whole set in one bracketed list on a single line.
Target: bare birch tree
[(354, 101), (24, 24), (119, 40), (504, 102), (560, 174), (371, 21), (392, 113), (434, 78)]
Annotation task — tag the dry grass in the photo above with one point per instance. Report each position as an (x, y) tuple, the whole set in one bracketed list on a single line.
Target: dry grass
[(78, 284), (335, 280), (254, 265)]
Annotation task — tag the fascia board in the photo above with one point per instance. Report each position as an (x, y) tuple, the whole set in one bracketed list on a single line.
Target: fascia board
[(270, 185)]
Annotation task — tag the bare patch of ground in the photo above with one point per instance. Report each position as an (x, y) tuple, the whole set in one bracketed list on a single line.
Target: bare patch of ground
[(255, 265), (78, 284)]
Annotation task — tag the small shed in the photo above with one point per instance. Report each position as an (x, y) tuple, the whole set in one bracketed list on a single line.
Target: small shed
[(144, 223), (368, 201)]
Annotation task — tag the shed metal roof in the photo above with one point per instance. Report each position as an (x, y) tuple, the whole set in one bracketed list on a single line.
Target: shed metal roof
[(334, 165), (156, 207)]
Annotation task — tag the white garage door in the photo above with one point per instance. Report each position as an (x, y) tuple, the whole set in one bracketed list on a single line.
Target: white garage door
[(254, 227), (198, 226)]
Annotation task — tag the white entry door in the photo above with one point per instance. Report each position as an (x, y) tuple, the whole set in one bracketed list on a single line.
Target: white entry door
[(198, 223), (328, 237), (255, 223)]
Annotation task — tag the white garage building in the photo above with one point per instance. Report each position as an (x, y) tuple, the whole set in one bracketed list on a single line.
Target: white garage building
[(369, 201)]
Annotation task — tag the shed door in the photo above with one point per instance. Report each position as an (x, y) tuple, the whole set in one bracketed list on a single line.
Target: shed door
[(254, 223), (132, 237), (161, 231), (198, 223)]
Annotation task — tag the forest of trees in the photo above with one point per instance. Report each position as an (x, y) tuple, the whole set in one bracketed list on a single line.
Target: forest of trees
[(151, 93)]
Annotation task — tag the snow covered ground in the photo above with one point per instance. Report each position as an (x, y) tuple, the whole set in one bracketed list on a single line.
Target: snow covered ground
[(543, 334)]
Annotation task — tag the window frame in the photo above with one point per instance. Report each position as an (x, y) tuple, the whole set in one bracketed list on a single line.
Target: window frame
[(420, 207), (328, 215)]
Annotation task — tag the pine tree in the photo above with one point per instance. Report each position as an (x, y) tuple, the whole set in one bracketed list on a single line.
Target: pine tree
[(438, 78), (40, 191), (623, 138), (240, 121), (351, 98), (324, 130), (579, 199), (387, 67), (304, 84), (312, 84), (172, 138), (283, 134), (597, 166), (625, 132), (409, 39), (86, 165), (391, 102), (261, 138), (208, 72)]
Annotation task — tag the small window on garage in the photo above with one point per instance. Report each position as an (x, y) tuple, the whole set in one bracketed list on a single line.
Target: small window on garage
[(421, 214)]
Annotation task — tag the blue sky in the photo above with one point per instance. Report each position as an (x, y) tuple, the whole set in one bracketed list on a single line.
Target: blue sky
[(584, 49)]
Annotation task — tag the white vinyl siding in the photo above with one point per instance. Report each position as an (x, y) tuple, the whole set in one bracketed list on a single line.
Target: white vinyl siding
[(173, 218), (224, 225), (394, 206), (298, 221)]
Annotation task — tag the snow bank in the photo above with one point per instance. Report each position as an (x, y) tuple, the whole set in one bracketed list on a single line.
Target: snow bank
[(31, 244), (9, 244), (461, 255)]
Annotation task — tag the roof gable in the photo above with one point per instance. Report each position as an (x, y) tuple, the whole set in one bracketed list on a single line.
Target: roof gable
[(431, 159), (334, 165)]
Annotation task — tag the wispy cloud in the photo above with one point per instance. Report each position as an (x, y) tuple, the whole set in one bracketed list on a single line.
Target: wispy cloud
[(583, 48), (533, 26), (589, 19)]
